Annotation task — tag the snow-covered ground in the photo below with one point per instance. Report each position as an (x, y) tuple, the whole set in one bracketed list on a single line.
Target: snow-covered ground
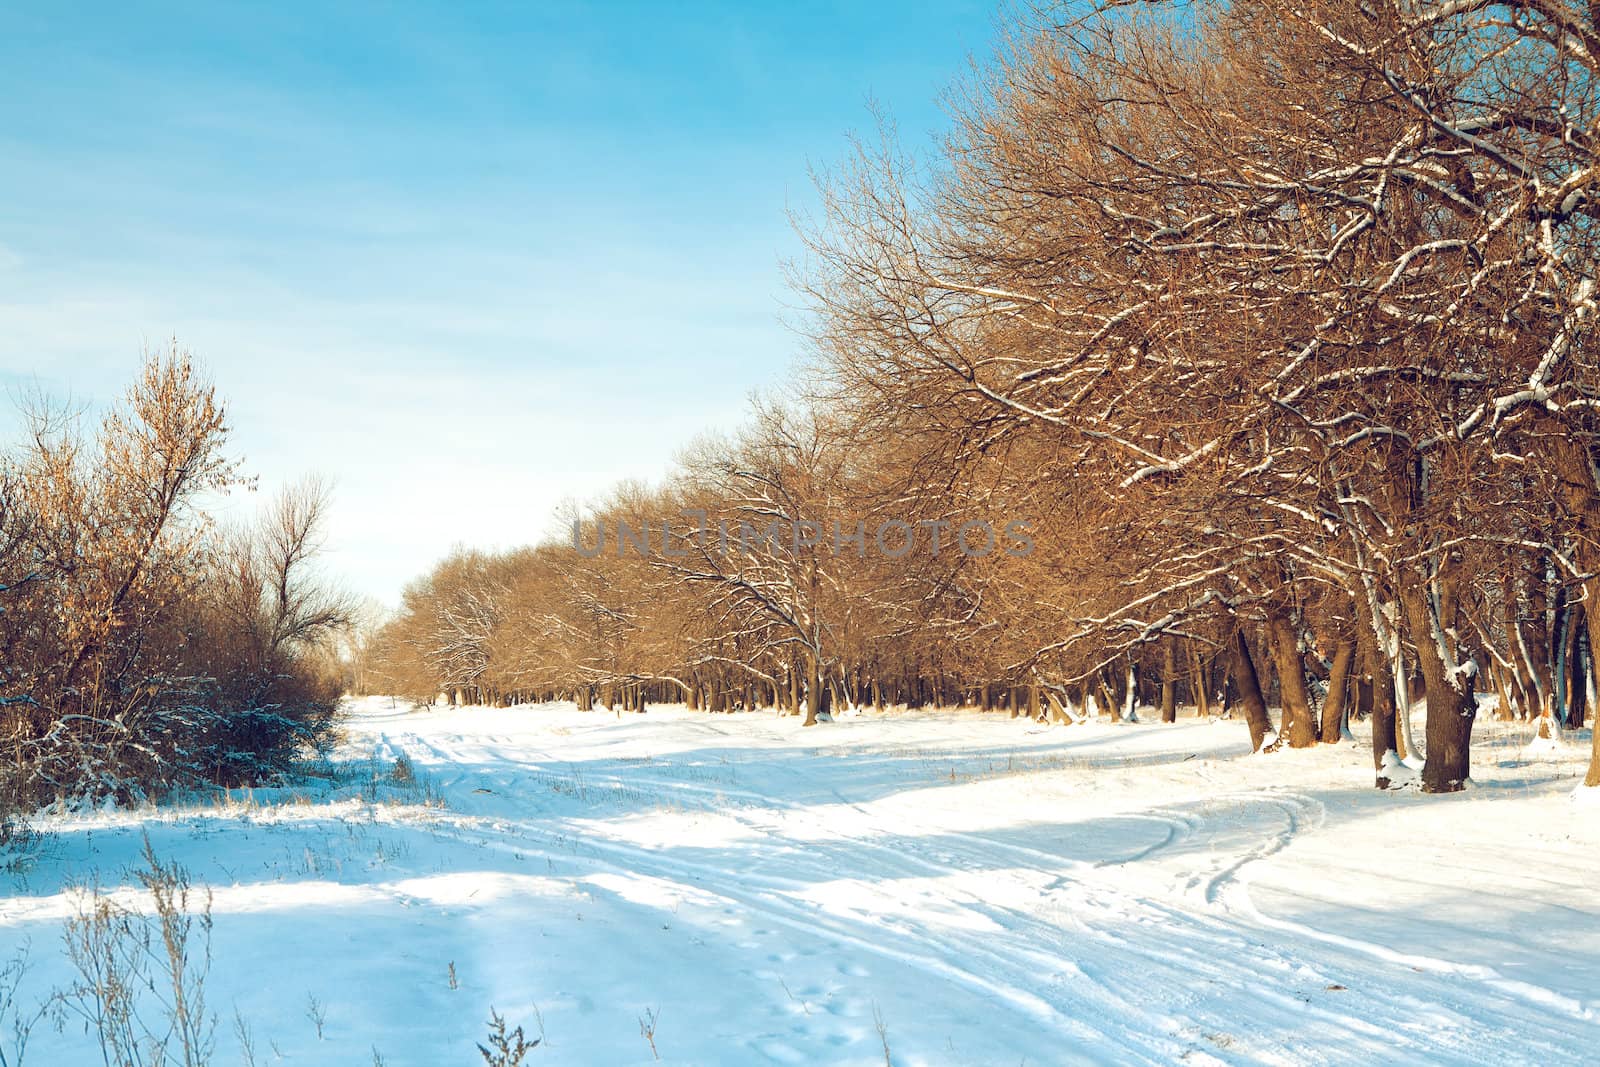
[(989, 890)]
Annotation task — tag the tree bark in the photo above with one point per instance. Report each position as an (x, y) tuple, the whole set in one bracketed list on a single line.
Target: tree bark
[(1499, 675), (1298, 726), (1591, 620), (1113, 706), (1451, 704), (1249, 686), (813, 689), (1571, 665), (1539, 638), (1582, 668), (1169, 680), (1385, 724), (1333, 707), (1201, 682)]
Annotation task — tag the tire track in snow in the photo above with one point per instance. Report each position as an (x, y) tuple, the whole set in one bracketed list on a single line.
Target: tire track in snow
[(1009, 970), (1295, 808), (772, 900), (1031, 965), (1229, 889)]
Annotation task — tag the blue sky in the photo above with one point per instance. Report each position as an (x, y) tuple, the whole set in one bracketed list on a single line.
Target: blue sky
[(467, 260)]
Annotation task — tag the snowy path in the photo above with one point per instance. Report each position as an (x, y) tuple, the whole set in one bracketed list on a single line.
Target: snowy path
[(992, 891)]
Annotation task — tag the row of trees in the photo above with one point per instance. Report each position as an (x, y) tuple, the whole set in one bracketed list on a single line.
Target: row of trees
[(142, 645), (1273, 318)]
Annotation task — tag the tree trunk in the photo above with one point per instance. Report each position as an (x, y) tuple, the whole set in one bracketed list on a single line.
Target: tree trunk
[(1451, 704), (1592, 621), (1169, 680), (1539, 637), (1249, 687), (1298, 726), (1576, 459), (1333, 707), (1504, 682), (1582, 669), (1380, 691), (1201, 683), (813, 689), (1113, 706), (1571, 667), (1554, 712)]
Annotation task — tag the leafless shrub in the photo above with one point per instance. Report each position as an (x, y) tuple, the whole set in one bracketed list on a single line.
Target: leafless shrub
[(505, 1048), (16, 1022), (126, 960), (317, 1012), (404, 772), (246, 1039), (647, 1029), (110, 949), (19, 841), (145, 649), (184, 959)]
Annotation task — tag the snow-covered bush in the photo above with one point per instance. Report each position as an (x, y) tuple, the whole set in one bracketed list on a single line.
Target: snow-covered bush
[(143, 647), (17, 838)]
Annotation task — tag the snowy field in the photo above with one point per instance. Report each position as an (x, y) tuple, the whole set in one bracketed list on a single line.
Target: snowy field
[(935, 888)]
